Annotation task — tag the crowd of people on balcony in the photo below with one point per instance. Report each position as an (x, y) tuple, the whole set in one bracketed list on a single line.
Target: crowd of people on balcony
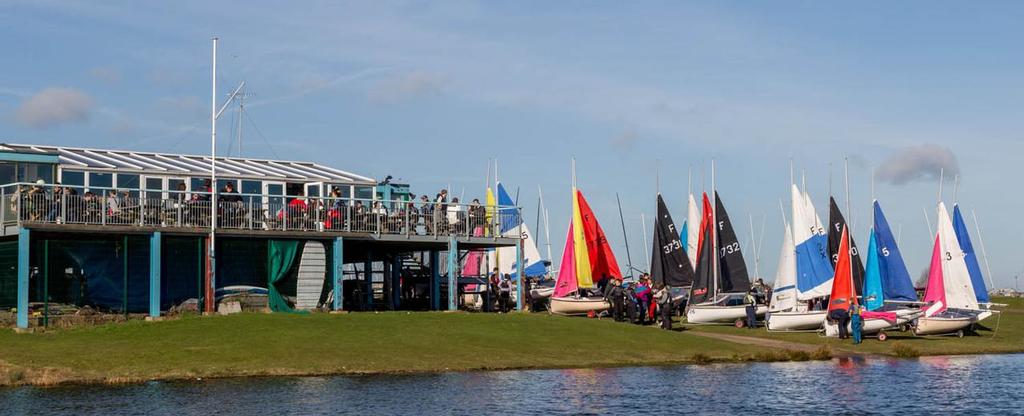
[(429, 216)]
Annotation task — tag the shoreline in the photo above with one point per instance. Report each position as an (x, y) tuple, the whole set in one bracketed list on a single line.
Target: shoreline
[(399, 343)]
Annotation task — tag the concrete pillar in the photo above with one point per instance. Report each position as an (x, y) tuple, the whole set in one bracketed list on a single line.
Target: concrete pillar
[(338, 272), (23, 270), (453, 271), (435, 280), (155, 248)]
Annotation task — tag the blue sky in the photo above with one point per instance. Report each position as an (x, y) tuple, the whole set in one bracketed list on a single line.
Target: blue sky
[(428, 92)]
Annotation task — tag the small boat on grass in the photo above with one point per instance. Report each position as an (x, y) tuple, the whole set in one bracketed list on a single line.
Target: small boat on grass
[(721, 281), (586, 259), (952, 305)]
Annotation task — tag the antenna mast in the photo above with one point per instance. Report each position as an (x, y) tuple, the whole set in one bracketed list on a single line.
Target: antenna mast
[(624, 236)]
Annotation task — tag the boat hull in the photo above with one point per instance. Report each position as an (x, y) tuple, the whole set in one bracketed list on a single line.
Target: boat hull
[(938, 325), (541, 293), (795, 321), (876, 325), (718, 314), (577, 306)]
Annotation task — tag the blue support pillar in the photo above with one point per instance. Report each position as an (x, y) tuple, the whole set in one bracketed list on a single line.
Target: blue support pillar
[(435, 280), (453, 270), (337, 273), (155, 248), (520, 304), (368, 276), (23, 268), (396, 282)]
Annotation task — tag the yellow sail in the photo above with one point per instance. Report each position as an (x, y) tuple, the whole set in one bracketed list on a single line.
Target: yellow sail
[(584, 278), (491, 209)]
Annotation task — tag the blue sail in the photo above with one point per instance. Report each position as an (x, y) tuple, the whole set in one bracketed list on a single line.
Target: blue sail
[(682, 236), (813, 268), (896, 283), (977, 280), (873, 296)]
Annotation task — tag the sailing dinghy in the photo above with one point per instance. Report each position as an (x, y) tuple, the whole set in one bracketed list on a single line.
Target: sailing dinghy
[(586, 259), (950, 302), (811, 271), (721, 280), (977, 279), (844, 295)]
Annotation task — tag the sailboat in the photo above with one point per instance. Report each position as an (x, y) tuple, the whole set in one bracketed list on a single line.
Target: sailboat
[(720, 282), (811, 271), (692, 230), (950, 302), (977, 279), (844, 295), (669, 263), (586, 259), (897, 287), (511, 224)]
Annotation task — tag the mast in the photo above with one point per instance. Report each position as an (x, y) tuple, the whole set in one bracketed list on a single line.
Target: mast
[(849, 238), (714, 232), (647, 254), (956, 187), (212, 265), (753, 245), (629, 259), (547, 230), (927, 221)]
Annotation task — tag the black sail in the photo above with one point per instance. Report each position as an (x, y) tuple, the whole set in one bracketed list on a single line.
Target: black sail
[(837, 222), (704, 275), (733, 276), (669, 263)]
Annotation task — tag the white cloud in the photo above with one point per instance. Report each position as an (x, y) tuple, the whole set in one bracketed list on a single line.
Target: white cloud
[(918, 163), (53, 106)]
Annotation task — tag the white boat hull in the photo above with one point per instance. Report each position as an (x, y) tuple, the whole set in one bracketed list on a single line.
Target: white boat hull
[(718, 314), (876, 325), (937, 325), (795, 321), (541, 293), (577, 306)]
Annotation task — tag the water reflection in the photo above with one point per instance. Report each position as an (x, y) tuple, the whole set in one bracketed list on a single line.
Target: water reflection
[(969, 384)]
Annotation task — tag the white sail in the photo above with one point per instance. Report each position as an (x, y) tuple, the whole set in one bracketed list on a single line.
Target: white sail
[(955, 277), (692, 230), (504, 258), (784, 290)]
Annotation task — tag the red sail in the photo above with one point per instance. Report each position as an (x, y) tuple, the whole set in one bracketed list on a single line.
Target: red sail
[(602, 260), (843, 292), (705, 221)]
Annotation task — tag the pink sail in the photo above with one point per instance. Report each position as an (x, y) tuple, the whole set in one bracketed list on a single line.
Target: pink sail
[(474, 260), (935, 293), (566, 282)]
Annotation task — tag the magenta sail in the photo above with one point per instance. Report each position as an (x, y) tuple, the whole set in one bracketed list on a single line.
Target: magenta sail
[(566, 283)]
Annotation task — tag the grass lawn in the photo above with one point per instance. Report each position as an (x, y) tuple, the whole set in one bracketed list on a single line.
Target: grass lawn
[(283, 344), (1007, 337)]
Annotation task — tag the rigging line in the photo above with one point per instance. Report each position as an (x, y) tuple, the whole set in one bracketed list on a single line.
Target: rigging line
[(185, 134), (260, 133)]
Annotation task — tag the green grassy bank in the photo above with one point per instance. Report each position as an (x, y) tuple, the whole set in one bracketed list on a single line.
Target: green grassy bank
[(360, 343), (282, 344)]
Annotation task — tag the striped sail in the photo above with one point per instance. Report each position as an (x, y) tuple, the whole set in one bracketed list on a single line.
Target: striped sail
[(692, 230), (813, 266)]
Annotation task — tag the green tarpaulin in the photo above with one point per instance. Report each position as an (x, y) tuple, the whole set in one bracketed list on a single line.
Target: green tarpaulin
[(280, 257)]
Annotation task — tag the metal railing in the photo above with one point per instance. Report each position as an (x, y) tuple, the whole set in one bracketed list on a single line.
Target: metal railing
[(48, 204)]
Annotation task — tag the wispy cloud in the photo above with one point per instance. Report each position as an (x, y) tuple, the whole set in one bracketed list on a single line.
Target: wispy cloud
[(406, 86), (53, 106), (918, 163), (106, 74)]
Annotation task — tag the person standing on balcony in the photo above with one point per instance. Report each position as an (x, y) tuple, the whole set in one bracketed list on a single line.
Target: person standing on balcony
[(456, 216), (427, 213), (440, 208)]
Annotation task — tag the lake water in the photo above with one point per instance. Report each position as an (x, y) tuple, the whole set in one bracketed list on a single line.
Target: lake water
[(963, 384)]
